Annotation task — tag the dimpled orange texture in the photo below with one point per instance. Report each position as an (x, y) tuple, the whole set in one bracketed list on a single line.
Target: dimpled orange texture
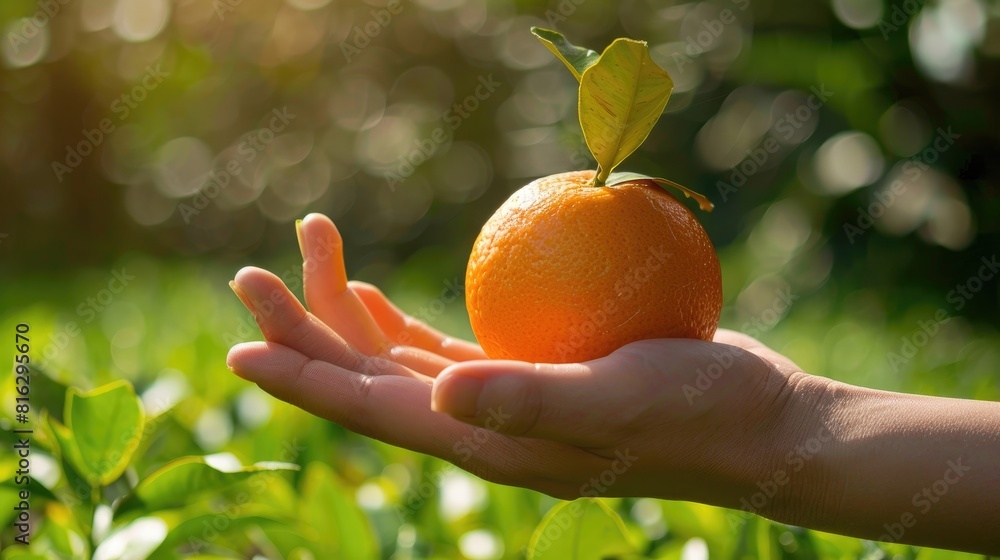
[(566, 272)]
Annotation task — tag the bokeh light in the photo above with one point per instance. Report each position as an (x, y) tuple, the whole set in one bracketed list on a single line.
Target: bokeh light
[(858, 14), (26, 42), (140, 20), (943, 38), (847, 161)]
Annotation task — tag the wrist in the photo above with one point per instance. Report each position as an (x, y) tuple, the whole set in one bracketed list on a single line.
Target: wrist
[(800, 477)]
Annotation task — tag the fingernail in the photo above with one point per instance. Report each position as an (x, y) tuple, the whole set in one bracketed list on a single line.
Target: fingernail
[(230, 366), (244, 297), (298, 234), (460, 397)]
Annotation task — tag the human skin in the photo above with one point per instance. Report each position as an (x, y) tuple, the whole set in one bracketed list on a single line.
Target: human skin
[(729, 423)]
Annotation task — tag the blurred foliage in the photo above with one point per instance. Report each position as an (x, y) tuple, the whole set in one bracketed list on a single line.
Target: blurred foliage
[(151, 147)]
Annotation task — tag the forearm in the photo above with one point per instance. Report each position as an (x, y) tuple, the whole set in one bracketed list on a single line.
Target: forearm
[(897, 467)]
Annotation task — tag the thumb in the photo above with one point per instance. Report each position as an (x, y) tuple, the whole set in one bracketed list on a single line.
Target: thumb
[(570, 403)]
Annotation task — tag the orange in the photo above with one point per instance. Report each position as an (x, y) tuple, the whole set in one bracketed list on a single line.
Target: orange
[(567, 272)]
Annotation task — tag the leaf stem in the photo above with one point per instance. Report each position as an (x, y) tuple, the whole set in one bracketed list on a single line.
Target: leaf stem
[(600, 177)]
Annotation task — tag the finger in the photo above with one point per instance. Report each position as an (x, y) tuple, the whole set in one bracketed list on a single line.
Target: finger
[(400, 327), (282, 319), (418, 359), (324, 281), (392, 409), (349, 398), (578, 404)]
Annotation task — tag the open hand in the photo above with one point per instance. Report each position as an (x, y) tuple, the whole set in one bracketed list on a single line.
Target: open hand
[(662, 418)]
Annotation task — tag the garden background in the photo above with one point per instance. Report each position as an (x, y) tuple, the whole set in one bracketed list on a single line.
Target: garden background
[(150, 148)]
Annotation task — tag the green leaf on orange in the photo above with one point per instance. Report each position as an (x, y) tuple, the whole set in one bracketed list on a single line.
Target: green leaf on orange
[(621, 97), (626, 176), (577, 59)]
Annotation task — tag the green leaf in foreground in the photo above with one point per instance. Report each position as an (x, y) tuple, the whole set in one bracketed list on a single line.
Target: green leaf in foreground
[(626, 176), (577, 59), (621, 98), (182, 480), (105, 426), (199, 532), (582, 529), (328, 506)]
